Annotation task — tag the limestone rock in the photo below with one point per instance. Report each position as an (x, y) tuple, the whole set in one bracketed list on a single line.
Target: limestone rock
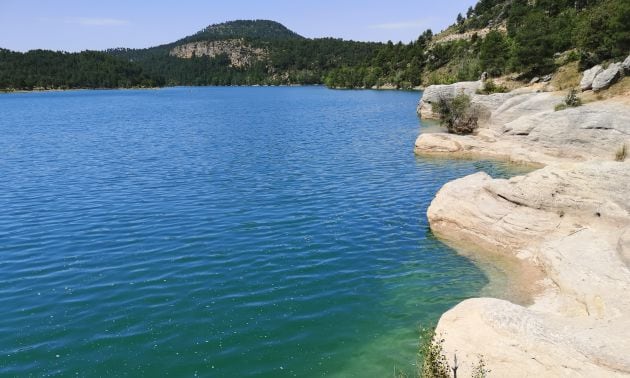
[(238, 51), (561, 234), (524, 129), (516, 106), (568, 221), (607, 77), (434, 93), (589, 75), (626, 64)]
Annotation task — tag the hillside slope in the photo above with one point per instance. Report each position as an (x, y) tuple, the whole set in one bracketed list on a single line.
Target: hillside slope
[(248, 52)]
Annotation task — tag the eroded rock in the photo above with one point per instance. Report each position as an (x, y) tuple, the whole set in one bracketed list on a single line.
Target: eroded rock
[(434, 93), (589, 75), (607, 77)]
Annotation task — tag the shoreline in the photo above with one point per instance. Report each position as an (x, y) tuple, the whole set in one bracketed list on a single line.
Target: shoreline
[(560, 234), (42, 90)]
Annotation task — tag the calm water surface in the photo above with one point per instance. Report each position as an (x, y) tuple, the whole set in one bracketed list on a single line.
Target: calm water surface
[(223, 232)]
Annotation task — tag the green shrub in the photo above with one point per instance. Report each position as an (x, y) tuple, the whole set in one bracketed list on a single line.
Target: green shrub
[(570, 101), (489, 87), (457, 114), (433, 362), (480, 370)]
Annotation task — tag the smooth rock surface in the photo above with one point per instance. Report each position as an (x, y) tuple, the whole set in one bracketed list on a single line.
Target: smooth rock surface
[(589, 75), (566, 221), (607, 77), (525, 130), (566, 227), (434, 93)]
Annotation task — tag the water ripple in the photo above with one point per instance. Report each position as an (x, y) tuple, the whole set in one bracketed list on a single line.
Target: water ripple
[(219, 231)]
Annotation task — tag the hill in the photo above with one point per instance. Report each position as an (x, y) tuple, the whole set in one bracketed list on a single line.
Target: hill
[(250, 29), (42, 69), (523, 38), (248, 52)]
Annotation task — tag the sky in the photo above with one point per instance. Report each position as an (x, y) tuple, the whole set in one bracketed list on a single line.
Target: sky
[(75, 25)]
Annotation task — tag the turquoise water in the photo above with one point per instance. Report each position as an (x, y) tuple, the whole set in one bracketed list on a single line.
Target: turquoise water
[(223, 232)]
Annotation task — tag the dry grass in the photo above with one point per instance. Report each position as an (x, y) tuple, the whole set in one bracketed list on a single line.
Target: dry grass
[(567, 76), (619, 89), (621, 153)]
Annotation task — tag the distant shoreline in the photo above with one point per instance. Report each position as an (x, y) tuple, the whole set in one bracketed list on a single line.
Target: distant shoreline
[(37, 90)]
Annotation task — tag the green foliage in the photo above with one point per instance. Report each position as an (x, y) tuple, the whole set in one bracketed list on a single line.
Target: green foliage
[(248, 29), (457, 114), (393, 64), (536, 30), (596, 31), (58, 70), (489, 87), (432, 361), (532, 48), (494, 53), (570, 101), (481, 369), (603, 31)]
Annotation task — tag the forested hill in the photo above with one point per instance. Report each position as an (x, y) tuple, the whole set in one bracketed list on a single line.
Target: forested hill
[(251, 29), (248, 52), (523, 38), (43, 69)]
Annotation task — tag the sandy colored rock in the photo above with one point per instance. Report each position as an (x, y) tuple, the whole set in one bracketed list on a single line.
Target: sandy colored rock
[(240, 53), (589, 75), (568, 222), (434, 93), (607, 77), (524, 130)]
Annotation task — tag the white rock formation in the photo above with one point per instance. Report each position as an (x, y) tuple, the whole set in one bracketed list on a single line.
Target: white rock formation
[(626, 64), (589, 75), (564, 230), (526, 129), (434, 93), (240, 53), (607, 77), (567, 222)]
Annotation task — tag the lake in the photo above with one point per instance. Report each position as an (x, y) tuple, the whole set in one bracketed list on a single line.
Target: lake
[(222, 232)]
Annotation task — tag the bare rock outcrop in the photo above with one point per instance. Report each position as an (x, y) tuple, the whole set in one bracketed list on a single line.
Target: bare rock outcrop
[(434, 93), (524, 129), (565, 227), (240, 53), (589, 75), (607, 77), (566, 221)]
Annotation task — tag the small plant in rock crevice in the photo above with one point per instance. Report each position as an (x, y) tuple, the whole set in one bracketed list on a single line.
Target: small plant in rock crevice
[(572, 100), (434, 363), (621, 153), (490, 87)]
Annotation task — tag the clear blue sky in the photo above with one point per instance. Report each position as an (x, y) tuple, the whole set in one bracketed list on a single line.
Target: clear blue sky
[(74, 25)]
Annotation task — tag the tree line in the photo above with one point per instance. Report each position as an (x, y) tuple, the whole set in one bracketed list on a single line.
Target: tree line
[(42, 69)]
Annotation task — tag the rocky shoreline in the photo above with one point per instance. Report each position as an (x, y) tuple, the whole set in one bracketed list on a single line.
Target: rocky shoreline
[(566, 225)]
